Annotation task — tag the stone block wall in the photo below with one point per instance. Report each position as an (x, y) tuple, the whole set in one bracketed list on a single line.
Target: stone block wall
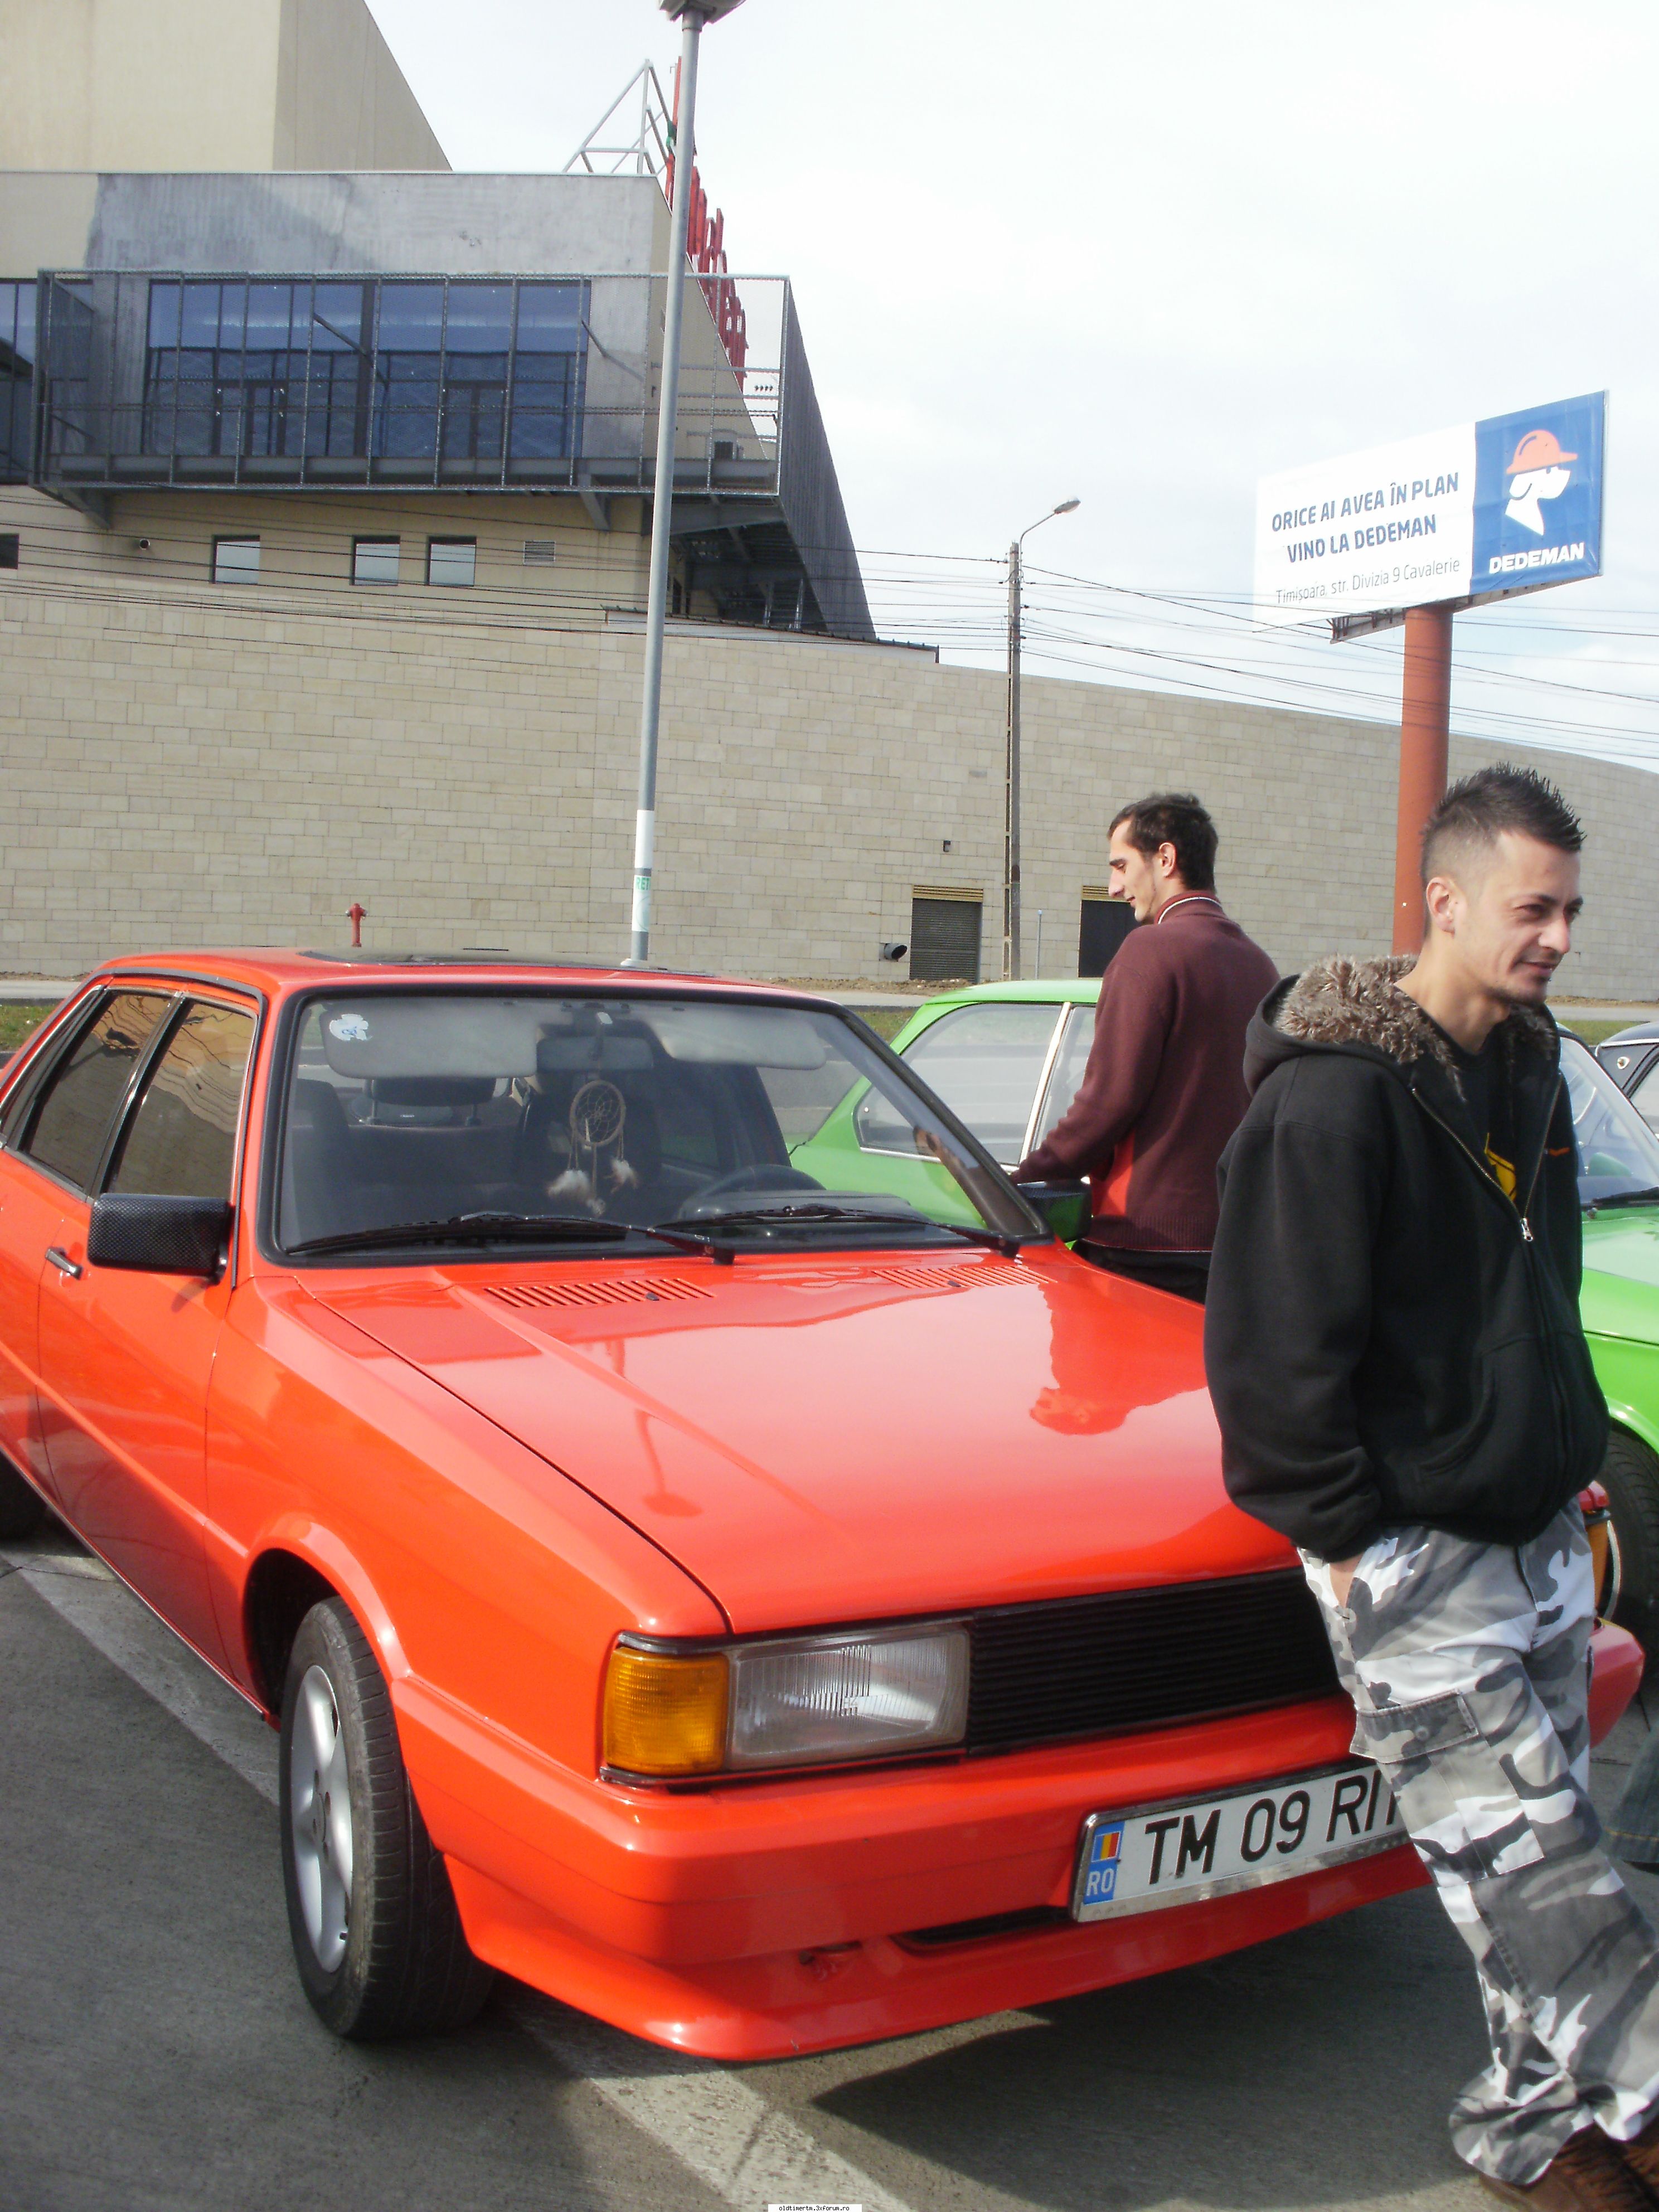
[(183, 766)]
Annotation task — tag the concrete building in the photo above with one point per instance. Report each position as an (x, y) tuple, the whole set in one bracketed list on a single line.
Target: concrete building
[(323, 567)]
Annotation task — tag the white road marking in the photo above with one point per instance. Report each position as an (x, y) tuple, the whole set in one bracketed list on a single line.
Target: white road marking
[(85, 1594), (708, 2117), (712, 2121)]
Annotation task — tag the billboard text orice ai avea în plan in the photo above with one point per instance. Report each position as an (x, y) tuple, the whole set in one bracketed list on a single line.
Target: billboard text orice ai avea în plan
[(1504, 505)]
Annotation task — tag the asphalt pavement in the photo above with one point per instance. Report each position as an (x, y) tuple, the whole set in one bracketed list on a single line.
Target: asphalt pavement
[(156, 2054)]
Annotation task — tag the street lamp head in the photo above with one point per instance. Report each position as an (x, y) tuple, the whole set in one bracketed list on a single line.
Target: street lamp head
[(707, 11), (1067, 505)]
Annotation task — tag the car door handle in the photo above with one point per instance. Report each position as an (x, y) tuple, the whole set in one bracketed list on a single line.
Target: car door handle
[(62, 1261)]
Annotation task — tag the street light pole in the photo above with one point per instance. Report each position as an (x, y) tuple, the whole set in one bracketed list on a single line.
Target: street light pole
[(691, 14), (1011, 954)]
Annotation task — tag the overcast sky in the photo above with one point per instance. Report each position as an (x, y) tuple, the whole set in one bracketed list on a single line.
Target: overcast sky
[(1143, 256)]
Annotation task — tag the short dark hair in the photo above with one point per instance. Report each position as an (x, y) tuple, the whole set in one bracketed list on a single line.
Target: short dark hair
[(1479, 808), (1177, 819)]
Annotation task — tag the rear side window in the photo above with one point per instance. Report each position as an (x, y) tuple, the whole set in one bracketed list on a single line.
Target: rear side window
[(180, 1143), (82, 1098)]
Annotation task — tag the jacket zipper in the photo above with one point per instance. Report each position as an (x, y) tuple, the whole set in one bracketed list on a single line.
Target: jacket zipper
[(1557, 1395), (1484, 1173)]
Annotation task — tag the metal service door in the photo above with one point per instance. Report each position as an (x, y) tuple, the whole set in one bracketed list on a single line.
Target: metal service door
[(945, 936)]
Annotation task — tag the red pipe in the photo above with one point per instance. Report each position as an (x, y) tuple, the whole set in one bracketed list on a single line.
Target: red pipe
[(1424, 722)]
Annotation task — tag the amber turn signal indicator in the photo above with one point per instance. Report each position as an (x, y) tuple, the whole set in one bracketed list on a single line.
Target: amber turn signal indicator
[(665, 1715)]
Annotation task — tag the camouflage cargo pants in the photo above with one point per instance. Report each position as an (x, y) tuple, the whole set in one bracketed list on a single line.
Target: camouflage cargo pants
[(1467, 1666)]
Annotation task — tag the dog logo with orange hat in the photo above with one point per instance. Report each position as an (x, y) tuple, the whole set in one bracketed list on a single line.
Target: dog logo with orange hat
[(1538, 471)]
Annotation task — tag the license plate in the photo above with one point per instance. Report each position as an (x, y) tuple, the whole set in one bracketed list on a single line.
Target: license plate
[(1205, 1847)]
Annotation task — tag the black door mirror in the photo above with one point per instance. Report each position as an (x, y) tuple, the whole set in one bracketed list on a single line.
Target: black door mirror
[(159, 1235), (1063, 1206)]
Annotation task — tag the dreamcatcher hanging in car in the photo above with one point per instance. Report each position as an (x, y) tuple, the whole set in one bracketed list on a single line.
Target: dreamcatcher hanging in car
[(598, 1168)]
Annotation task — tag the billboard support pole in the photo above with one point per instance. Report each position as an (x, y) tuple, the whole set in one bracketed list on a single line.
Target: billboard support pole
[(1424, 726)]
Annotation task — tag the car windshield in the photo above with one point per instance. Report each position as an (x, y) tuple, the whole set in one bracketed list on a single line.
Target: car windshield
[(486, 1120), (1618, 1153)]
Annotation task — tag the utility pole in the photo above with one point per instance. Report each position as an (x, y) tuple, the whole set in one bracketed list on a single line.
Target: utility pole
[(1011, 954), (691, 16)]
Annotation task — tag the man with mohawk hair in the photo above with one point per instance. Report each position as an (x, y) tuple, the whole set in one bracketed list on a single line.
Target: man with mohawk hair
[(1403, 1387)]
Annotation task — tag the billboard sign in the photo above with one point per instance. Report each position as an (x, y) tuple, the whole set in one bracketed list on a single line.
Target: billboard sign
[(1474, 513)]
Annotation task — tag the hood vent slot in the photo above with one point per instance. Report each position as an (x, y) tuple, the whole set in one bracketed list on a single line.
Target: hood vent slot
[(617, 1290), (927, 1275)]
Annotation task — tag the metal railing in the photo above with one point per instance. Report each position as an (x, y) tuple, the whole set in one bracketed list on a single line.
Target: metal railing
[(276, 386)]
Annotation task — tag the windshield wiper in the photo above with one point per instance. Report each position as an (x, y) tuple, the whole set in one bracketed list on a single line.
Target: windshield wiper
[(507, 1229), (809, 1212), (1648, 1197), (474, 1229)]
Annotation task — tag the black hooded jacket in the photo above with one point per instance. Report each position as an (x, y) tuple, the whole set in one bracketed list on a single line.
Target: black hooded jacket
[(1389, 1339)]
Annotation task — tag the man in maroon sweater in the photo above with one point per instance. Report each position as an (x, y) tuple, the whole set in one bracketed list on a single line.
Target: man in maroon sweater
[(1164, 1087)]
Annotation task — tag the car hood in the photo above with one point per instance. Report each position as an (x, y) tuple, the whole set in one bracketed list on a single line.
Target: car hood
[(1620, 1296), (845, 1437)]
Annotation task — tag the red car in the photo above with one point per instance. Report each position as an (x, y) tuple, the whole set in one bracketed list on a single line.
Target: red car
[(766, 1616)]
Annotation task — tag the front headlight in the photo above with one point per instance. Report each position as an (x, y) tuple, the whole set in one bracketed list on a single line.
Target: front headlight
[(788, 1701)]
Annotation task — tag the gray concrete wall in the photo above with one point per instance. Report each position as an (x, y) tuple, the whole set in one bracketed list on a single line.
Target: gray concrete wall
[(186, 765), (461, 225)]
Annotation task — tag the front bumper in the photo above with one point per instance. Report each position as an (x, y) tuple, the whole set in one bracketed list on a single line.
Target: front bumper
[(755, 1920)]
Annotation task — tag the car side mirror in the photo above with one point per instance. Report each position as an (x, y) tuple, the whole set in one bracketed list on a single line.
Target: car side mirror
[(159, 1235), (1063, 1206)]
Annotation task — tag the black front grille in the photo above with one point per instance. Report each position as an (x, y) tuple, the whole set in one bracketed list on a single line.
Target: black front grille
[(1144, 1658)]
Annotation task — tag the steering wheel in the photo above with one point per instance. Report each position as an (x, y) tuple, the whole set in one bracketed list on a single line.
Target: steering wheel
[(756, 1178)]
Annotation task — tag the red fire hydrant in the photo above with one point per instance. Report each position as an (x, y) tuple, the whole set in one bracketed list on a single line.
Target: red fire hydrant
[(354, 915)]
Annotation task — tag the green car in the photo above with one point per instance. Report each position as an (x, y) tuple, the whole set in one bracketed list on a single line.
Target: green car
[(1007, 1059)]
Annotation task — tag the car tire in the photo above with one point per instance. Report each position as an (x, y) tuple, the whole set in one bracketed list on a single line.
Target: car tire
[(22, 1509), (377, 1937), (1630, 1476)]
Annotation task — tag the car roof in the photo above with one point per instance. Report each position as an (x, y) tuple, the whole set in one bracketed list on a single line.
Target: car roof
[(279, 972), (1056, 991), (1642, 1033)]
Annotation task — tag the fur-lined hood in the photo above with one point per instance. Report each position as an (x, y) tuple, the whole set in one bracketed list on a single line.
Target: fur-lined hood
[(1342, 1002)]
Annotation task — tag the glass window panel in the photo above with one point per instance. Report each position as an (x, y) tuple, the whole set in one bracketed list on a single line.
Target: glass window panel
[(984, 1062), (410, 319), (236, 560), (81, 1098), (474, 413), (407, 409), (233, 311), (199, 315), (336, 385), (480, 318), (452, 560), (336, 318), (70, 331), (270, 309), (1645, 1097), (24, 337), (1616, 1149), (164, 314), (543, 396), (549, 318), (374, 561), (181, 1141)]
